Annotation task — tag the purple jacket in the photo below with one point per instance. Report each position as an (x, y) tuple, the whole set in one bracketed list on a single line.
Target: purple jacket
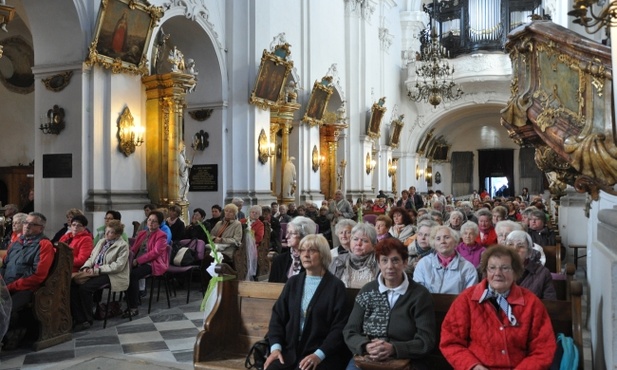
[(472, 253)]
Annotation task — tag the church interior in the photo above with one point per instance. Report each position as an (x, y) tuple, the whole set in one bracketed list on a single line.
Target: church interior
[(116, 104)]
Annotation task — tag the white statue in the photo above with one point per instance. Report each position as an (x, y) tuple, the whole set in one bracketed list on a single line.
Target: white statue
[(289, 178), (184, 167), (176, 58)]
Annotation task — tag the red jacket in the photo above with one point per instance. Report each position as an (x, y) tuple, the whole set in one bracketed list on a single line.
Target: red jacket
[(491, 340), (81, 244), (491, 238), (45, 258), (258, 231), (156, 254)]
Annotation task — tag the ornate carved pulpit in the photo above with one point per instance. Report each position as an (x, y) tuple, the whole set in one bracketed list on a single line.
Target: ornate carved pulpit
[(561, 104)]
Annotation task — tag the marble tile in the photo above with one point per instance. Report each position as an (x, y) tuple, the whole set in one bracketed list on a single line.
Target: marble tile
[(184, 356), (198, 323), (141, 347), (174, 325), (49, 357), (194, 315), (106, 349), (96, 341), (143, 337), (162, 317), (179, 333), (137, 328), (162, 357), (184, 344)]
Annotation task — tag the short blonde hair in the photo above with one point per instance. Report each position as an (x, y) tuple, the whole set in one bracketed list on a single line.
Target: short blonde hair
[(318, 241), (231, 207)]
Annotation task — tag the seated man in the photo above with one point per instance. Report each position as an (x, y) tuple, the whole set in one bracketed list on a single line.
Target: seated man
[(24, 269)]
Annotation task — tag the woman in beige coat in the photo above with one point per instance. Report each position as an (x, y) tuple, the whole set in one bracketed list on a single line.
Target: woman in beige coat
[(108, 264)]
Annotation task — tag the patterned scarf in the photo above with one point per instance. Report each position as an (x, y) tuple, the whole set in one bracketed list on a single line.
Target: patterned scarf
[(502, 303)]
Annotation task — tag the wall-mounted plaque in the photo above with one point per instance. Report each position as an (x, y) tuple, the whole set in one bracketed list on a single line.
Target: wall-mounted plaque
[(204, 177), (57, 165)]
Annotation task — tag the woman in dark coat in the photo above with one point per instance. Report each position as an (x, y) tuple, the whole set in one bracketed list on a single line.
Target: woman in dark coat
[(306, 328)]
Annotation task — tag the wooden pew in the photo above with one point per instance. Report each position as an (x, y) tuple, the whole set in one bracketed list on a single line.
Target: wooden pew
[(242, 312), (52, 301)]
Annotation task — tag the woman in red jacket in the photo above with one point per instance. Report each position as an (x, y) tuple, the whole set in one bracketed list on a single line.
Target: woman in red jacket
[(511, 328), (80, 240), (151, 258)]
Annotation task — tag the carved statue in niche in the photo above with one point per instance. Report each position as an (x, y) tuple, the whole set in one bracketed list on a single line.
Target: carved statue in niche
[(184, 168), (289, 178)]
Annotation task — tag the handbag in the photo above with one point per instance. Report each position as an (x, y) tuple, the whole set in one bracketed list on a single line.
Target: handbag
[(365, 363), (258, 354), (81, 277)]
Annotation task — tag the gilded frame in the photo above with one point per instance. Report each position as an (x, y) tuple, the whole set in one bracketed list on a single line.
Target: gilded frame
[(395, 131), (271, 78), (318, 102), (122, 35), (377, 112)]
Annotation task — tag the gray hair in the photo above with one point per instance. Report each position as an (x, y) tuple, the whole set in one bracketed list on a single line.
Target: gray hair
[(457, 212), (40, 216), (508, 224), (484, 212), (453, 233), (366, 229), (469, 225), (237, 201), (346, 222), (19, 217), (256, 208), (303, 225), (521, 236), (428, 222)]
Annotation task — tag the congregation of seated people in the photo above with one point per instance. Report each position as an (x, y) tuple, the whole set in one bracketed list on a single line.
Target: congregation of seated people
[(409, 252)]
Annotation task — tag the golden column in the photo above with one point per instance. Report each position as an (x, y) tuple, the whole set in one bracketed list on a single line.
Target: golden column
[(283, 118), (164, 106), (274, 127), (329, 133)]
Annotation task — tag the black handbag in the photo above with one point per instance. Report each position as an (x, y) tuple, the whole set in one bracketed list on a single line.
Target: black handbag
[(258, 354)]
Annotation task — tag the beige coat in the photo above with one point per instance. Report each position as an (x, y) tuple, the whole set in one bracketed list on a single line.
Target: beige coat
[(115, 263)]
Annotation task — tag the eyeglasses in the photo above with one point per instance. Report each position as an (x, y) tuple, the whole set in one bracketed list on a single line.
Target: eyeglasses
[(310, 251), (75, 224), (32, 223), (494, 269)]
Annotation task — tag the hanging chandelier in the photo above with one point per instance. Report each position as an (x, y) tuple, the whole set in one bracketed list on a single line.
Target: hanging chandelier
[(434, 75)]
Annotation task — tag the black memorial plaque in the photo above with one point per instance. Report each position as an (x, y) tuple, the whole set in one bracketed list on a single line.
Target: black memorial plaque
[(57, 165), (204, 177)]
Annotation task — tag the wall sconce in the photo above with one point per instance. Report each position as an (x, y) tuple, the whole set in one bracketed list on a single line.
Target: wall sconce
[(263, 147), (370, 163), (428, 174), (130, 136), (53, 123), (392, 167), (316, 159), (419, 172), (200, 141)]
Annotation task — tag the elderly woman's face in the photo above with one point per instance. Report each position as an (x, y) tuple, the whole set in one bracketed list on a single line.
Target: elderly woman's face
[(392, 268), (424, 237), (502, 234), (456, 219), (230, 214), (445, 243), (361, 244), (17, 226), (499, 273), (469, 236), (520, 246), (496, 218), (344, 236), (293, 237), (254, 214), (485, 223), (153, 223)]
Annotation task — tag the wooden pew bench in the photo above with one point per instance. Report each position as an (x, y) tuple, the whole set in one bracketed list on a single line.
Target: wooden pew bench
[(242, 312)]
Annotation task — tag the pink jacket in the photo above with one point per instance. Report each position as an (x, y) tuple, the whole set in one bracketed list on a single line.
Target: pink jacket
[(157, 253), (491, 340)]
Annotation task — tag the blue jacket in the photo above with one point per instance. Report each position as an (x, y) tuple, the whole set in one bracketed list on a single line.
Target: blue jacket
[(459, 275)]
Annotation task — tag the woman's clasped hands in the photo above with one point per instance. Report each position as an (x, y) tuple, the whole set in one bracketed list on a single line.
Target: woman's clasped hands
[(379, 349)]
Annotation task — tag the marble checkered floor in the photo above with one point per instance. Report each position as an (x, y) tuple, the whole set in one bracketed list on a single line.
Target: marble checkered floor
[(162, 340)]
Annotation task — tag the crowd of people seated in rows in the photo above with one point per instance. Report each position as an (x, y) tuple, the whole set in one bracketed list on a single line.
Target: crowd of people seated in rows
[(444, 246)]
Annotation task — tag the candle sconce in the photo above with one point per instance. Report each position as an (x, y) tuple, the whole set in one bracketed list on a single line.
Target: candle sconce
[(53, 122), (130, 136), (316, 159)]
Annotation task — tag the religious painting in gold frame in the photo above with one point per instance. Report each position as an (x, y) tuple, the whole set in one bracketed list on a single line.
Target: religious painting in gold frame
[(377, 112), (318, 102), (395, 131), (122, 35), (272, 77), (424, 143)]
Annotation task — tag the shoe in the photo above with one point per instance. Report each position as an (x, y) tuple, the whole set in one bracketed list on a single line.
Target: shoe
[(130, 312), (142, 294), (82, 326), (13, 338)]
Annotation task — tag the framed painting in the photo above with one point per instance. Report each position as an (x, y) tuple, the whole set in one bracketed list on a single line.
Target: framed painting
[(272, 77), (424, 142), (318, 102), (122, 35), (395, 131), (377, 112)]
